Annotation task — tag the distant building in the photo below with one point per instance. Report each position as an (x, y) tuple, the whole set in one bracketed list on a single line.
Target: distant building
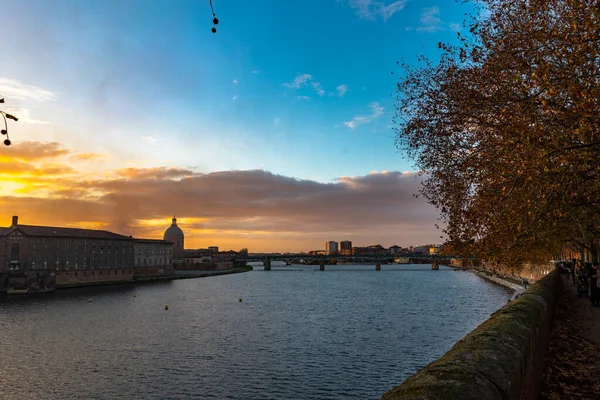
[(46, 256), (153, 257), (316, 253), (395, 249), (214, 249), (331, 248), (174, 234), (346, 248)]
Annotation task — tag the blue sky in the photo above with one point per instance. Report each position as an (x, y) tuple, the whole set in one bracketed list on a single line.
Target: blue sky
[(152, 76), (109, 89)]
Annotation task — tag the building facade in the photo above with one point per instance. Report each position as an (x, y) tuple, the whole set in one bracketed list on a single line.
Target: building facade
[(346, 248), (153, 257), (66, 255), (43, 257), (331, 248)]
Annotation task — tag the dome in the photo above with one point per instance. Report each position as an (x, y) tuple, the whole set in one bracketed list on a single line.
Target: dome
[(174, 234)]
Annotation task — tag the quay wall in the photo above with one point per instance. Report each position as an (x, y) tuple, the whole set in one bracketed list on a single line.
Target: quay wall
[(502, 358)]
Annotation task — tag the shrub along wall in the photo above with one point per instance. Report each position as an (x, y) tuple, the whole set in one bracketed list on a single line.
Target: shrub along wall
[(502, 358)]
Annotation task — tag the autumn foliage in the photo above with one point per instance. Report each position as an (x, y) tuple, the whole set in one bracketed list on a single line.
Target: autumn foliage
[(505, 127)]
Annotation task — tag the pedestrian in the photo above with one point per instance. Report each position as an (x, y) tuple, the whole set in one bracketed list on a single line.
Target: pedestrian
[(574, 270)]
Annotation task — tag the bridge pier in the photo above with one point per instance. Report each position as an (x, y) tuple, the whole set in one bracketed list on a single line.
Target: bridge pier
[(322, 265), (267, 264), (378, 266), (435, 265)]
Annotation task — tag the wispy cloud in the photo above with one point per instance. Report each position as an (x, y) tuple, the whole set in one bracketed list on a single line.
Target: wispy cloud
[(303, 97), (430, 20), (298, 81), (254, 71), (235, 82), (303, 80), (341, 90), (234, 98), (318, 88), (455, 27), (372, 9), (150, 139), (276, 121), (13, 89), (377, 111)]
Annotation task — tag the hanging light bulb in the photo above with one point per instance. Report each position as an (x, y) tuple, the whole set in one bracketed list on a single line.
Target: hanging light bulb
[(215, 19)]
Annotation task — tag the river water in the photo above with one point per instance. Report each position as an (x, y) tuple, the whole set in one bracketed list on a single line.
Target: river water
[(299, 333)]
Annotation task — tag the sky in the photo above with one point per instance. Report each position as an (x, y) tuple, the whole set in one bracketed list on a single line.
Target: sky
[(274, 134)]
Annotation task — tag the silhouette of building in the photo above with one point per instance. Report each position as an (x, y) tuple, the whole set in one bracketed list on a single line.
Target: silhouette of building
[(346, 248), (174, 234), (331, 248)]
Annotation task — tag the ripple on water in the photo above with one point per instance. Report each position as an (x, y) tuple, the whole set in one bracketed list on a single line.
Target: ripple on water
[(348, 332)]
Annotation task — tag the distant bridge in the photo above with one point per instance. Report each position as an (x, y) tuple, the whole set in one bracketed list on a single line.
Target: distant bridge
[(289, 259)]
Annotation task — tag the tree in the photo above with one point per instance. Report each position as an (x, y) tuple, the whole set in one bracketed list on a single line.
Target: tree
[(505, 128)]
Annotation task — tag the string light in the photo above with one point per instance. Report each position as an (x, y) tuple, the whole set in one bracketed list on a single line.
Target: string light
[(215, 19), (4, 131)]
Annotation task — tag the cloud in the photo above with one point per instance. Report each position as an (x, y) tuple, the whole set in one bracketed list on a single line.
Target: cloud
[(234, 98), (254, 71), (377, 111), (255, 208), (318, 88), (298, 81), (303, 97), (150, 139), (372, 9), (13, 89), (303, 80), (235, 82), (33, 151), (88, 157), (430, 20), (455, 27), (341, 90), (24, 115), (276, 121)]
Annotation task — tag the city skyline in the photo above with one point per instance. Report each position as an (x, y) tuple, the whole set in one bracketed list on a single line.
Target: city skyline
[(266, 135)]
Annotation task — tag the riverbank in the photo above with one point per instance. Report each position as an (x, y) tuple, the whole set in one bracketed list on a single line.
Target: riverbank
[(502, 358), (511, 284), (177, 275)]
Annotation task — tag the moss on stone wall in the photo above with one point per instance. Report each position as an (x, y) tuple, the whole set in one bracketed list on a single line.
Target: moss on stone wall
[(500, 359)]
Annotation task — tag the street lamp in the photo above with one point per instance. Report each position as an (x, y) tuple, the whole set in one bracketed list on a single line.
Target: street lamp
[(4, 131)]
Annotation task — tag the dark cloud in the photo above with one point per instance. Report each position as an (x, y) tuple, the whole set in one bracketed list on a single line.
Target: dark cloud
[(244, 205)]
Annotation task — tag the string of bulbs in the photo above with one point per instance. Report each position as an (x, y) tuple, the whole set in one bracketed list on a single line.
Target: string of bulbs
[(6, 116), (215, 19)]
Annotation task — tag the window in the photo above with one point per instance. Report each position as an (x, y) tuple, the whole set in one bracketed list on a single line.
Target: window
[(14, 252)]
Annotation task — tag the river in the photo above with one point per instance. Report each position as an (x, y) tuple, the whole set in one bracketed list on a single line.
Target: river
[(299, 333)]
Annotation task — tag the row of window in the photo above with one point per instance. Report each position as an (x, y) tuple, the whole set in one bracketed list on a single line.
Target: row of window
[(93, 273)]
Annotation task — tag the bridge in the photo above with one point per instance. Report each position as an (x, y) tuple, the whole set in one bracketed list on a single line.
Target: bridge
[(289, 259)]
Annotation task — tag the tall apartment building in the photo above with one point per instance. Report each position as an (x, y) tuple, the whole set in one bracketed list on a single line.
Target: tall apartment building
[(331, 248), (346, 248)]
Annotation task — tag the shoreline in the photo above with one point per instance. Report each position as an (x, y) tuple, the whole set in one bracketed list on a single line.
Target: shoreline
[(516, 288), (163, 278)]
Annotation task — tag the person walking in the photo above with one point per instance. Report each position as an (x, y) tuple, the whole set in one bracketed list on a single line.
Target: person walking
[(574, 270)]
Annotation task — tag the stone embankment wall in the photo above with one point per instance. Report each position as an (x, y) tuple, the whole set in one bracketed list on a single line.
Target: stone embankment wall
[(502, 358)]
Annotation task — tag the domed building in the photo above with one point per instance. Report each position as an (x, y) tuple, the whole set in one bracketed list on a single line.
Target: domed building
[(175, 234)]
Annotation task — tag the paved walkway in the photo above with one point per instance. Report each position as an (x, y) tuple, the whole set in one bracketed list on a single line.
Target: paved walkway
[(572, 369)]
